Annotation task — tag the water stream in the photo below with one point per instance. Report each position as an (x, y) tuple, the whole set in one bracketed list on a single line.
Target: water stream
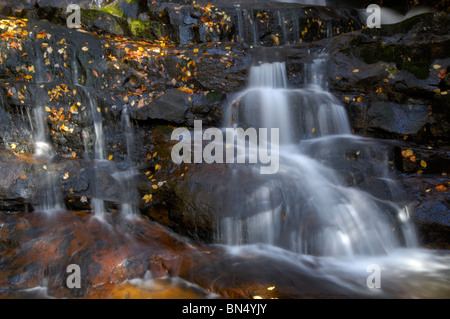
[(312, 207), (50, 198), (318, 213)]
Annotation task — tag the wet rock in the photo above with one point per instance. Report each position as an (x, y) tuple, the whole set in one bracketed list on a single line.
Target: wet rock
[(431, 208), (400, 119), (36, 251)]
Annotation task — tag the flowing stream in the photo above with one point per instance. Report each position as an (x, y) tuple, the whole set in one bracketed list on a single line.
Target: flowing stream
[(319, 213), (311, 207)]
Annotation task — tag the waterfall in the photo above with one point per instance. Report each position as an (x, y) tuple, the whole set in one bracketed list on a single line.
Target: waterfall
[(126, 177), (50, 199), (98, 205), (310, 206)]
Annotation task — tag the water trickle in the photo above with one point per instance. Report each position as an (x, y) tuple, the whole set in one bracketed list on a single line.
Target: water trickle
[(310, 206), (50, 199), (129, 195), (98, 204)]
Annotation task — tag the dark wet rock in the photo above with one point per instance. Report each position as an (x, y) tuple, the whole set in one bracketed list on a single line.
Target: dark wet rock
[(400, 119), (431, 207)]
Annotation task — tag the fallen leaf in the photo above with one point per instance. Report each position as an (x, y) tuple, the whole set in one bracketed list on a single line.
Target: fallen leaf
[(441, 188), (407, 153), (423, 163), (147, 197)]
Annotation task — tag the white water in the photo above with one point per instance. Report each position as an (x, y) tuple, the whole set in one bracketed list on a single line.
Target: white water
[(307, 207), (309, 217), (50, 197), (98, 205), (126, 177)]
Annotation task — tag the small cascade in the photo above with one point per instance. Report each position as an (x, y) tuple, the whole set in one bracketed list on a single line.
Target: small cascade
[(282, 24), (98, 205), (75, 70), (310, 206), (50, 200), (247, 28), (126, 177)]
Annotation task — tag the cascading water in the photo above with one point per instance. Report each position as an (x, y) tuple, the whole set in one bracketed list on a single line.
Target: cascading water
[(50, 199), (98, 204), (310, 206), (126, 177)]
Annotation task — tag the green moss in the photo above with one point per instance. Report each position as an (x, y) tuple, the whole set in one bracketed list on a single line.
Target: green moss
[(141, 29), (113, 9), (415, 60), (420, 70), (89, 15)]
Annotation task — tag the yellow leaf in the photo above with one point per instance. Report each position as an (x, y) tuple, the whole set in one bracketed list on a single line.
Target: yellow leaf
[(355, 71), (195, 50), (110, 157), (85, 48), (147, 197), (423, 163), (436, 66), (13, 146), (154, 186), (66, 175), (157, 166)]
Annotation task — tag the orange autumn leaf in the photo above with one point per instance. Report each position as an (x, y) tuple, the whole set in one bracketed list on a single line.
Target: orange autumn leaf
[(441, 188), (41, 35), (407, 153)]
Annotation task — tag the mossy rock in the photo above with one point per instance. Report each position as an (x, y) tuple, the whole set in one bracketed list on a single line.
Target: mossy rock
[(401, 27), (126, 8), (415, 59), (142, 29), (102, 21)]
